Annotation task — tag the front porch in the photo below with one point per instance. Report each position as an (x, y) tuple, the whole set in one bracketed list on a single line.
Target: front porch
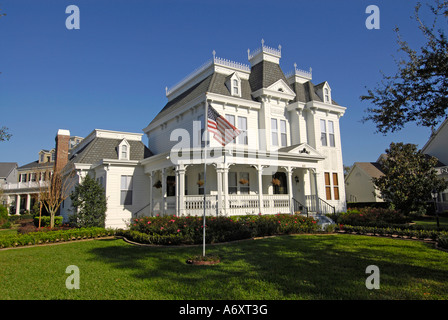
[(234, 189)]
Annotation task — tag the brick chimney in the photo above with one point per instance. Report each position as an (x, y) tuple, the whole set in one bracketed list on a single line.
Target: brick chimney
[(62, 144)]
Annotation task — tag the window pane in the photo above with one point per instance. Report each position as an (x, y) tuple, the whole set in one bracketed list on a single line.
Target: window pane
[(331, 137), (335, 179), (323, 139), (231, 119), (242, 126), (327, 178), (323, 127), (328, 193), (330, 127), (336, 193), (274, 135)]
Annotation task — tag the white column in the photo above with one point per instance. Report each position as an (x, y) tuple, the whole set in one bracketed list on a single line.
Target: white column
[(163, 209), (260, 187), (28, 202), (18, 204), (151, 197), (181, 189), (225, 173), (289, 180), (219, 172)]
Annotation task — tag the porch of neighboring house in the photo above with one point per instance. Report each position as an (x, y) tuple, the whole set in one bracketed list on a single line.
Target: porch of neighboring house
[(234, 189)]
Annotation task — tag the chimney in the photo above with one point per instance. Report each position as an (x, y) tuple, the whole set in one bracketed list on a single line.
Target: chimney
[(62, 144)]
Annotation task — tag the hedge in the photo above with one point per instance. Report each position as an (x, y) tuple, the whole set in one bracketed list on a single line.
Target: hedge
[(45, 221), (189, 230), (440, 237), (40, 237)]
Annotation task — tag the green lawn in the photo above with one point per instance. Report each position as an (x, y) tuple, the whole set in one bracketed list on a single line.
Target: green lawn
[(443, 221), (288, 267)]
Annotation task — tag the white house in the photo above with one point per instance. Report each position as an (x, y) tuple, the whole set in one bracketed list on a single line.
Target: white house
[(359, 186), (287, 158), (437, 146)]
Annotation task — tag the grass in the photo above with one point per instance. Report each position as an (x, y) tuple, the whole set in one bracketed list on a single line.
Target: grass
[(431, 221), (280, 268)]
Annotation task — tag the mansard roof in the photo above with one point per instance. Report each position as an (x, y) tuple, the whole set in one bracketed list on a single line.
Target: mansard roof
[(264, 74), (261, 75), (106, 148)]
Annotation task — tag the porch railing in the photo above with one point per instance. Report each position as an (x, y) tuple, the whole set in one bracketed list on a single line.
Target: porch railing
[(194, 205), (317, 205), (299, 207)]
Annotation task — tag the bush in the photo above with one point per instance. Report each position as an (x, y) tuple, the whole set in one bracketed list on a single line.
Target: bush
[(442, 241), (41, 237), (371, 216), (3, 216), (189, 230), (45, 221)]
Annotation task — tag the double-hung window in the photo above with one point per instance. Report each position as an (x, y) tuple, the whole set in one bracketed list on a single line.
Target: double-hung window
[(242, 126), (274, 132), (331, 133), (283, 133), (323, 133), (231, 119), (126, 190)]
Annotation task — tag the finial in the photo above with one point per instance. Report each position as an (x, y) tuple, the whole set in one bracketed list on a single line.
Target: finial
[(214, 54), (262, 42), (279, 47), (295, 66), (248, 53), (166, 90), (311, 70)]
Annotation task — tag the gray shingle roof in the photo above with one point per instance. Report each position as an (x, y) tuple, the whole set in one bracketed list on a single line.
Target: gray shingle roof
[(36, 165), (105, 148), (264, 74), (6, 168)]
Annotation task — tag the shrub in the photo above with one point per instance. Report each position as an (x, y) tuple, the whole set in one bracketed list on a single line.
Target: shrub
[(45, 221), (40, 237), (189, 230), (442, 241), (370, 216)]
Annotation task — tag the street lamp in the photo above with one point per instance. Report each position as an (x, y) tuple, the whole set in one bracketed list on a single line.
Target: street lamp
[(434, 195)]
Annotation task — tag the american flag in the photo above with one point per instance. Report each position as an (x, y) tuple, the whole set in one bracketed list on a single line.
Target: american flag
[(223, 131)]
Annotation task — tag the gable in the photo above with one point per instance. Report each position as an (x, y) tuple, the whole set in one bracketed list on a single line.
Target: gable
[(302, 150), (281, 86)]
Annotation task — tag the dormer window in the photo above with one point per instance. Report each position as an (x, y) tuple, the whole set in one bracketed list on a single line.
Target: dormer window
[(123, 150), (327, 95), (236, 87), (233, 83)]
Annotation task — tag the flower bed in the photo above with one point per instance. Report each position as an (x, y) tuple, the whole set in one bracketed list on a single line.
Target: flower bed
[(189, 230)]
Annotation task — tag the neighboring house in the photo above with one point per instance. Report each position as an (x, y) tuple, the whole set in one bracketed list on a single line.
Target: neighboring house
[(359, 186), (437, 146), (8, 172), (288, 157), (30, 178), (113, 159)]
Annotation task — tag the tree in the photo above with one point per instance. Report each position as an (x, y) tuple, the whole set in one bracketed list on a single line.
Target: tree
[(4, 134), (90, 204), (409, 177), (54, 192), (418, 92)]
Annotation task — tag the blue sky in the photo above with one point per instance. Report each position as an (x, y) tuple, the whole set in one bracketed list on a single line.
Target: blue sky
[(112, 72)]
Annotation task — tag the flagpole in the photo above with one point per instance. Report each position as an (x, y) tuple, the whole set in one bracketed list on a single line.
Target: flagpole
[(205, 173)]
